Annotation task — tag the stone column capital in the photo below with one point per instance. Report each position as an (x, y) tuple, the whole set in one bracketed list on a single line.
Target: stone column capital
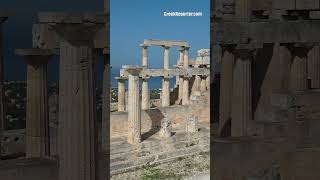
[(35, 55), (186, 48), (166, 46), (144, 46), (244, 54), (120, 79), (73, 26), (145, 78)]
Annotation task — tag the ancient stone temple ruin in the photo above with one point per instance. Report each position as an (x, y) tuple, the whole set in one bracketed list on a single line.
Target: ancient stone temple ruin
[(266, 122), (143, 132), (79, 148)]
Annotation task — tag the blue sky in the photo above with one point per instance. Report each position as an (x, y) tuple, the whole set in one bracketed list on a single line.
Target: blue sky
[(136, 20)]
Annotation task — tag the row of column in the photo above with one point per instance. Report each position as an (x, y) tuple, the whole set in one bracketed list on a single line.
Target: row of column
[(236, 83), (201, 82)]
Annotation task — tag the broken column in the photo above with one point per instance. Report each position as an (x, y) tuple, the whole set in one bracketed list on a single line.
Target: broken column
[(227, 65), (203, 84), (77, 107), (121, 93), (145, 104), (37, 118), (166, 78), (166, 128), (185, 94), (314, 66), (144, 55), (241, 111), (134, 106), (298, 72), (192, 124)]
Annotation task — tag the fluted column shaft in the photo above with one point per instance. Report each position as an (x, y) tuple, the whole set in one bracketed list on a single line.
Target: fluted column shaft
[(134, 108), (145, 104), (77, 112), (185, 94), (106, 100), (241, 112), (226, 82), (37, 120), (298, 74), (314, 66), (145, 55), (196, 83), (166, 80), (242, 10), (180, 64), (208, 82), (121, 94)]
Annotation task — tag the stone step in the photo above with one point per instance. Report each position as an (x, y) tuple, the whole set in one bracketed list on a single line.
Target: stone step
[(157, 149), (119, 167)]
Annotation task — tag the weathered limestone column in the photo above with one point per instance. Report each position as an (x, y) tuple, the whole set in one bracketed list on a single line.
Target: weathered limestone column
[(106, 99), (121, 93), (134, 106), (226, 82), (203, 84), (165, 79), (144, 55), (37, 119), (165, 91), (180, 62), (314, 66), (145, 104), (196, 84), (241, 111), (185, 94), (208, 82), (298, 73), (3, 18), (78, 145)]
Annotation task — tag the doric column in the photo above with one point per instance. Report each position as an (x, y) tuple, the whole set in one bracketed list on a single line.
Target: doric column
[(242, 10), (241, 112), (145, 104), (121, 93), (314, 66), (208, 82), (78, 130), (185, 94), (165, 91), (3, 18), (37, 119), (165, 79), (227, 65), (134, 106), (298, 72), (180, 65), (144, 55), (196, 83), (166, 65), (203, 84), (105, 99)]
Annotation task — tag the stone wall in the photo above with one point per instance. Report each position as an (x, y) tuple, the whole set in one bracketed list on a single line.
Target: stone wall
[(151, 118)]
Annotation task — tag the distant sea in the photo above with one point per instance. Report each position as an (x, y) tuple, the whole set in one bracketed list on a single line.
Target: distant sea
[(154, 82)]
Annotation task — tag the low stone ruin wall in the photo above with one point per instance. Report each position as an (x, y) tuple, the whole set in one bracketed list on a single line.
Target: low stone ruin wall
[(151, 118)]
